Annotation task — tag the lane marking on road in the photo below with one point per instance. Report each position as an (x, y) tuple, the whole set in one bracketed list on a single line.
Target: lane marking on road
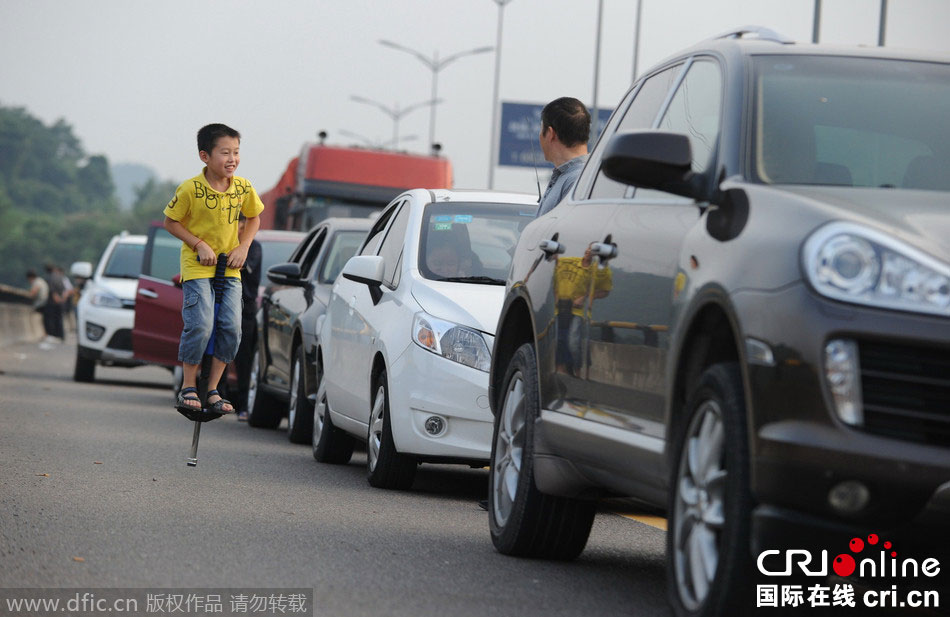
[(653, 521)]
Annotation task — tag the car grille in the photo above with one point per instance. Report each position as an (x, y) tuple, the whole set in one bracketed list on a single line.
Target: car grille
[(906, 391), (122, 339)]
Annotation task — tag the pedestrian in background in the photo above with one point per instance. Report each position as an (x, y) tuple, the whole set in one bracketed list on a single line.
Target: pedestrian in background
[(53, 312), (39, 294), (565, 129), (250, 283)]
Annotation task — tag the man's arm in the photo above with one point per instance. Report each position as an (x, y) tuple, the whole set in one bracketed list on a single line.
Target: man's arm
[(205, 253)]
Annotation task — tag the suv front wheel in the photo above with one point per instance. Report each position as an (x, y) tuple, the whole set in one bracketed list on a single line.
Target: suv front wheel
[(708, 559), (524, 521)]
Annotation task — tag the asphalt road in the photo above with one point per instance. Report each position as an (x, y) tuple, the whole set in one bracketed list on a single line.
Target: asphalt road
[(95, 493)]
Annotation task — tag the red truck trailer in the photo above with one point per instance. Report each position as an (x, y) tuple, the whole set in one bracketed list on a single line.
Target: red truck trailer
[(327, 181)]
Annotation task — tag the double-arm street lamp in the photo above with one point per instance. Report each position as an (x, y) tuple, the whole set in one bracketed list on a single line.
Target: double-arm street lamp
[(396, 113), (435, 65)]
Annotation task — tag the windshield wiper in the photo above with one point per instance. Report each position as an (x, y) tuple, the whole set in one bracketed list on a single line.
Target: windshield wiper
[(489, 280)]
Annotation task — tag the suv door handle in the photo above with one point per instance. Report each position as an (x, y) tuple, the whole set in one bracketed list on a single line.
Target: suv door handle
[(148, 293), (604, 250), (551, 247)]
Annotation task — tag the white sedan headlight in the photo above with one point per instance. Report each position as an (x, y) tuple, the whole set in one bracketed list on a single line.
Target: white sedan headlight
[(853, 263), (451, 341), (104, 298)]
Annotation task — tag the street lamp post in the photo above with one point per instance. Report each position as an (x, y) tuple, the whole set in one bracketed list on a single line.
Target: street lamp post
[(435, 65), (396, 112), (371, 143), (493, 150)]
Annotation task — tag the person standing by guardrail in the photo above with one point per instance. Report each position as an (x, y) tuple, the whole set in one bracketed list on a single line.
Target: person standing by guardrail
[(203, 214), (39, 294)]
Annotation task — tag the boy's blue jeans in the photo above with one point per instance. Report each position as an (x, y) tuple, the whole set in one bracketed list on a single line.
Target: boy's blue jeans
[(197, 311)]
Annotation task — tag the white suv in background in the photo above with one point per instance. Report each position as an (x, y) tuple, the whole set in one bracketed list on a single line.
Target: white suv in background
[(106, 310)]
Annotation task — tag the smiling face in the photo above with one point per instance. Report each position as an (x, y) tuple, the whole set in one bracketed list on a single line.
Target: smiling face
[(224, 157)]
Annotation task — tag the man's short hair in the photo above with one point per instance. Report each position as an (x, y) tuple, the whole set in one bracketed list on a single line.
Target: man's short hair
[(570, 120), (209, 135)]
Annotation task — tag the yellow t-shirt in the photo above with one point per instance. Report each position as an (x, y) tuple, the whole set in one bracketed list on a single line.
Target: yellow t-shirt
[(213, 217), (572, 280)]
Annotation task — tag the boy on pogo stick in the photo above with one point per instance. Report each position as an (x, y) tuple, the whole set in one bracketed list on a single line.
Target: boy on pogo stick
[(203, 214)]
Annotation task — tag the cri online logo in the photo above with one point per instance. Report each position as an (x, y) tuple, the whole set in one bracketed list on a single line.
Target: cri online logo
[(882, 564)]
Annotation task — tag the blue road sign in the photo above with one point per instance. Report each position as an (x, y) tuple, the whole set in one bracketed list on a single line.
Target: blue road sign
[(520, 126)]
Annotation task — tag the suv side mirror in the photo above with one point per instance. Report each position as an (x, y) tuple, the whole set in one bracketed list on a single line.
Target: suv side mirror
[(368, 270), (651, 159), (81, 269), (286, 274)]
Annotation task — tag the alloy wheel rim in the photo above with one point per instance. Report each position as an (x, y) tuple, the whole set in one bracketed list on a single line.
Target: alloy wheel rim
[(699, 510), (294, 384), (318, 413), (509, 451), (376, 425), (252, 381)]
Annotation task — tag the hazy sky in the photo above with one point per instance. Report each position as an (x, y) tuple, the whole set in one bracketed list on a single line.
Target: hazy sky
[(136, 79)]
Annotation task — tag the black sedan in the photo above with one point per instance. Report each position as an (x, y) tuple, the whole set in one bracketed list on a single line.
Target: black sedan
[(284, 377)]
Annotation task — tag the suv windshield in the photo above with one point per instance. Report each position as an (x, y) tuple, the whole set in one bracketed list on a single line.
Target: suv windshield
[(470, 243), (125, 262), (851, 121)]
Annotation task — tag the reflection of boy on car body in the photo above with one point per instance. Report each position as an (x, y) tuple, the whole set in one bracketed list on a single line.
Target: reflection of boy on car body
[(203, 214), (576, 279)]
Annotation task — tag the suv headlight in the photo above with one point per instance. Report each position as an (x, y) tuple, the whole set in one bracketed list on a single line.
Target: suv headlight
[(104, 298), (451, 341), (853, 263)]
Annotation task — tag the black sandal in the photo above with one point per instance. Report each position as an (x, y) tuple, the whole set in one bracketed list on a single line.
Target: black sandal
[(218, 406), (183, 407)]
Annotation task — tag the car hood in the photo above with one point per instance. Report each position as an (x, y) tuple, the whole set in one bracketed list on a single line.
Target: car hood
[(920, 218), (473, 305), (123, 289)]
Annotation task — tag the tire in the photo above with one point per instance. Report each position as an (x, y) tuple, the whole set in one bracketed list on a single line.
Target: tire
[(85, 370), (525, 522), (386, 468), (330, 444), (263, 409), (710, 501), (299, 408)]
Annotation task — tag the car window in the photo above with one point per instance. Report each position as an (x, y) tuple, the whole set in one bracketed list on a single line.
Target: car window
[(375, 235), (164, 260), (694, 110), (301, 249), (851, 121), (275, 252), (470, 243), (640, 115), (392, 245), (312, 252), (125, 262), (344, 245)]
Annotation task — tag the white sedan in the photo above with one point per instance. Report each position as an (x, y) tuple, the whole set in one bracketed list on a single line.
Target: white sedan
[(405, 346)]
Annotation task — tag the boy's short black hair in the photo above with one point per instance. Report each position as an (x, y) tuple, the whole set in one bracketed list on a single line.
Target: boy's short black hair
[(570, 120), (209, 135)]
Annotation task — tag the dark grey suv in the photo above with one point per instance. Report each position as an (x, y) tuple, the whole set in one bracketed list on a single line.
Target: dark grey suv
[(740, 316)]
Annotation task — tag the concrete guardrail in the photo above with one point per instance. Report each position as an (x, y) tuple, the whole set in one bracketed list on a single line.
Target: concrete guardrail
[(19, 322)]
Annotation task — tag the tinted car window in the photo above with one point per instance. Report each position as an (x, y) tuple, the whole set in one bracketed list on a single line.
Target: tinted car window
[(392, 245), (695, 110), (312, 252), (125, 261), (275, 252), (851, 121), (165, 260), (640, 115), (468, 241), (344, 245), (375, 235)]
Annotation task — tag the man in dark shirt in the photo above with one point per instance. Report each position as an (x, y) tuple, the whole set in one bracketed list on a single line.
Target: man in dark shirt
[(250, 282)]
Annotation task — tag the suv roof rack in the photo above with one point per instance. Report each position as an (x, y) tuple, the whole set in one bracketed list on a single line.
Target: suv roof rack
[(762, 33)]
